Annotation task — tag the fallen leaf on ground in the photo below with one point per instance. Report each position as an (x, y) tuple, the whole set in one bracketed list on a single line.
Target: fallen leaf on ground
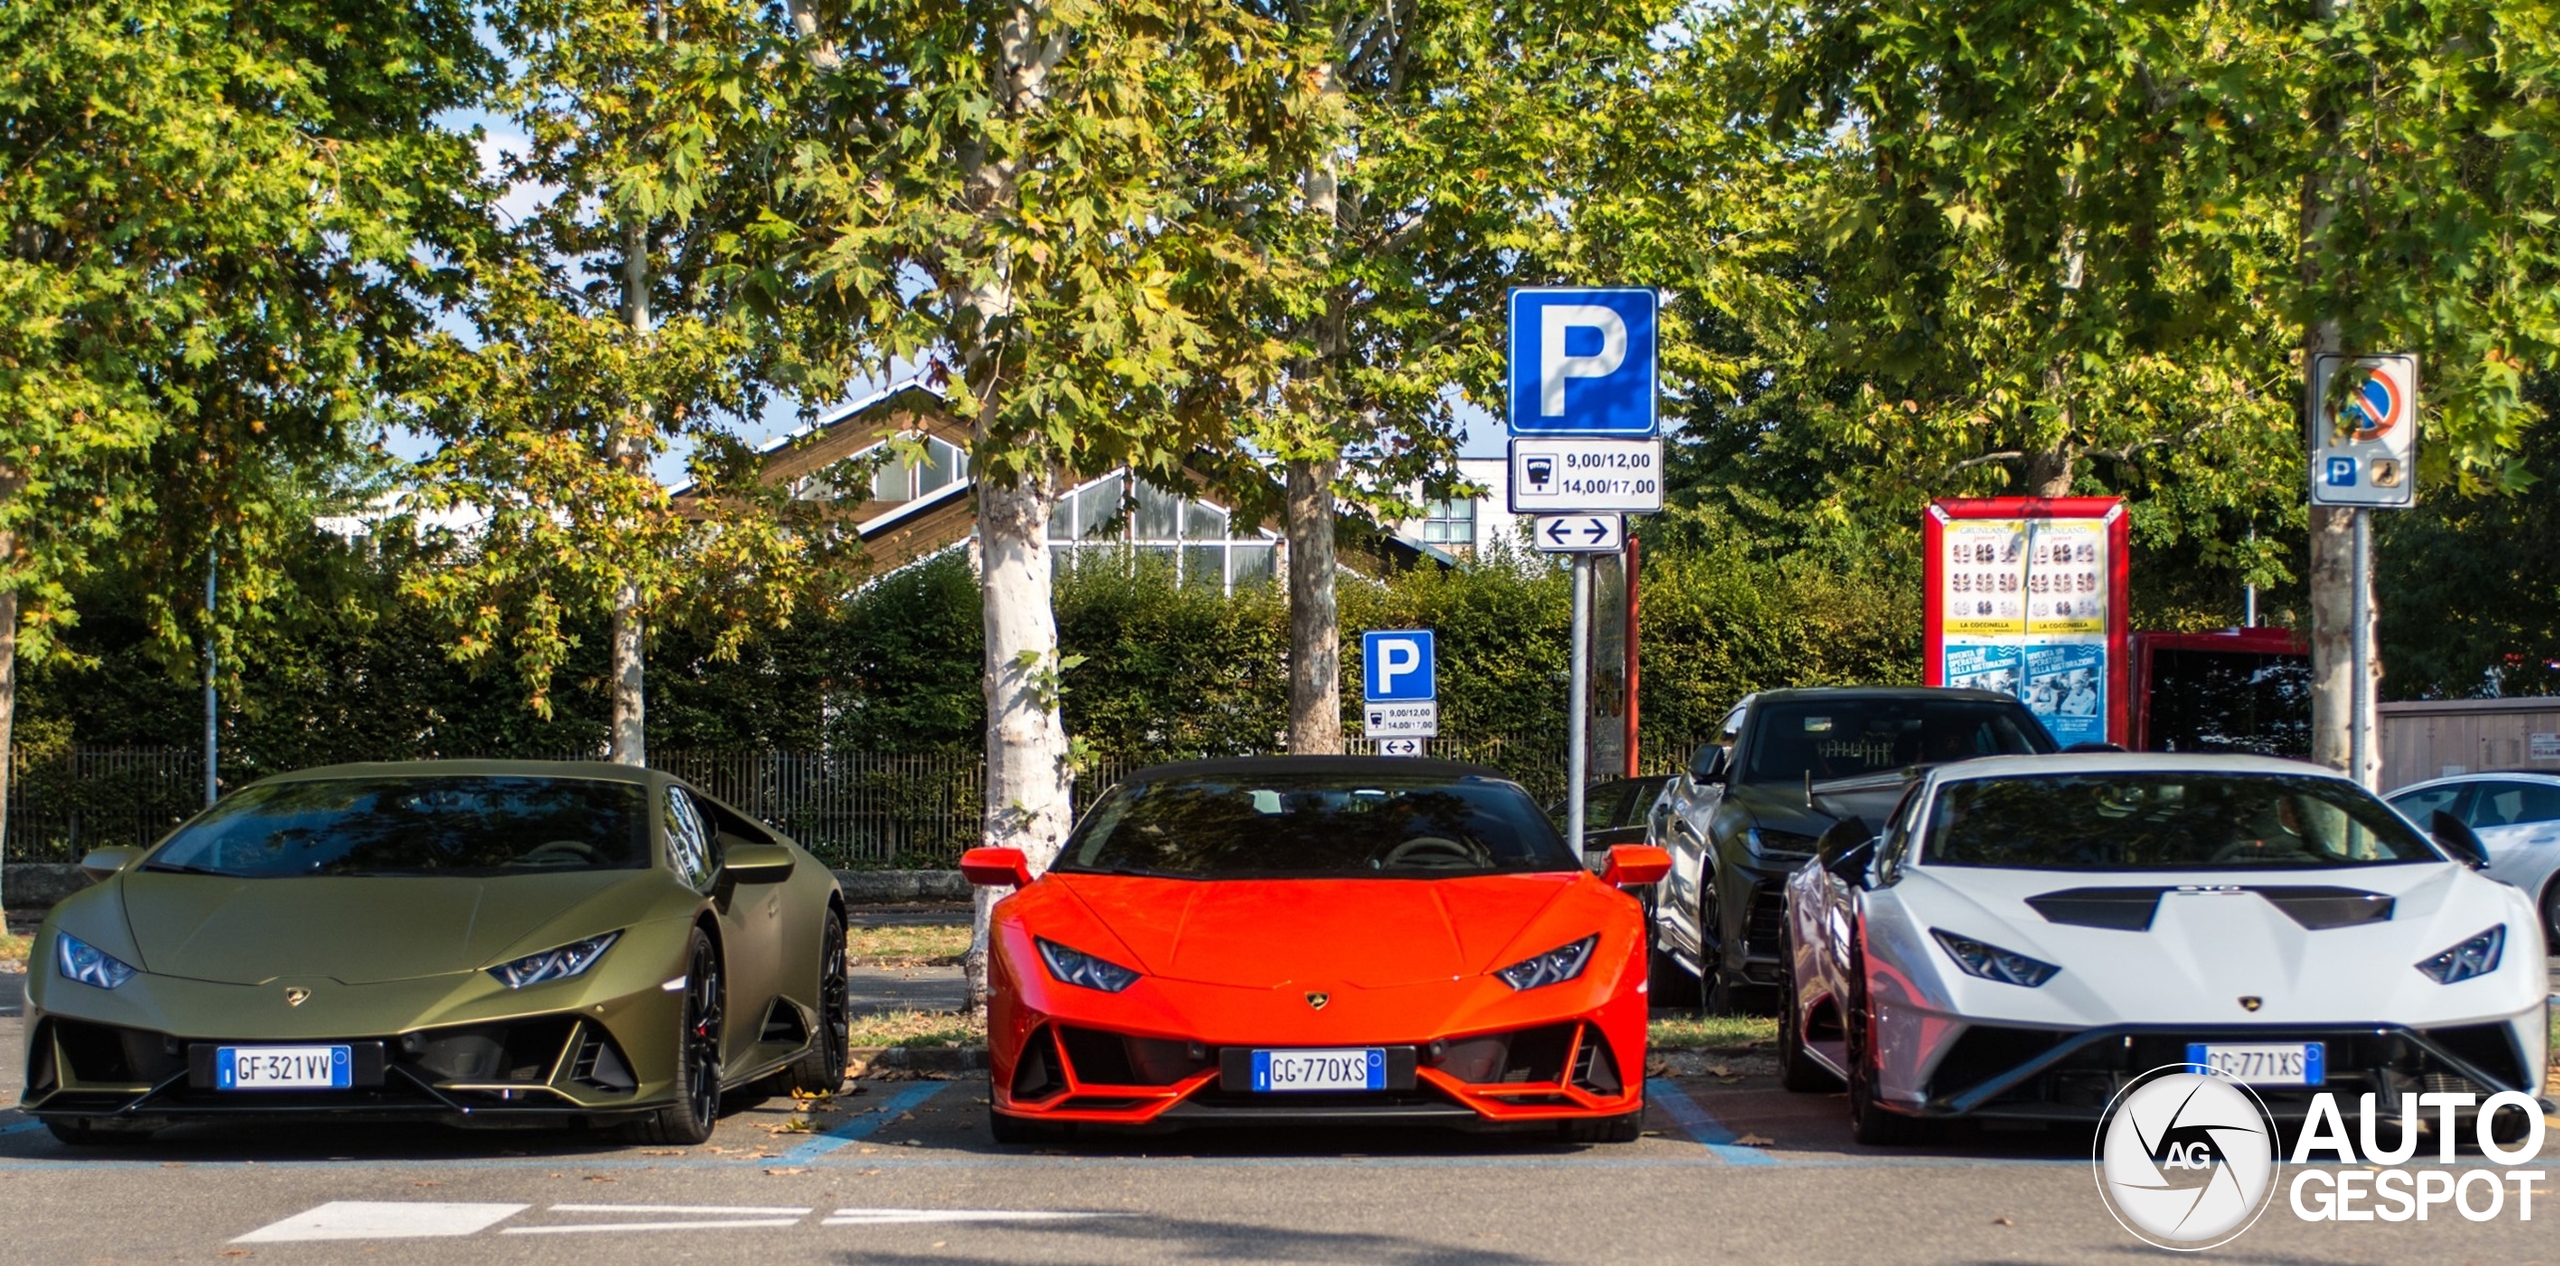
[(868, 1150), (1728, 1081), (1755, 1140), (428, 1182), (667, 1151), (793, 1126), (911, 1142), (2002, 1222), (601, 1178), (779, 1170), (235, 1252)]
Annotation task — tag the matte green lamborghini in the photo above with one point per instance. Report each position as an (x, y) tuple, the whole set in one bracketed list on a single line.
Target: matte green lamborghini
[(475, 942)]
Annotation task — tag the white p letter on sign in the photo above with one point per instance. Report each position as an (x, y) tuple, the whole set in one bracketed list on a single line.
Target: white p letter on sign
[(1554, 366)]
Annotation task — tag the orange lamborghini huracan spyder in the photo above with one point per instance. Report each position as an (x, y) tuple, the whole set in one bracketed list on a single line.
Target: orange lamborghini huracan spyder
[(1307, 939)]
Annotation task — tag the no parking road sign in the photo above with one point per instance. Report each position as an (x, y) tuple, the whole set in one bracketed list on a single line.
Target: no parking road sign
[(1399, 685), (2364, 431)]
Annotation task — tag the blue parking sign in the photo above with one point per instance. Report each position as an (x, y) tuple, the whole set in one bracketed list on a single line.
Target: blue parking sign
[(1583, 362), (2342, 472), (1396, 666)]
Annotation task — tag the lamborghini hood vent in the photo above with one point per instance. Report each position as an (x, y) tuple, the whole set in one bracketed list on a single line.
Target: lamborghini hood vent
[(2124, 909), (2130, 909), (2317, 908)]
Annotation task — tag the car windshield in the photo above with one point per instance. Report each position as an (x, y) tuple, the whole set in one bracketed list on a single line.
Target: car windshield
[(2166, 821), (1308, 826), (1848, 737), (415, 826)]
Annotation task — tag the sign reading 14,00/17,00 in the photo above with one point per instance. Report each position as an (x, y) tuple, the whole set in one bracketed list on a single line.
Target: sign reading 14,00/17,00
[(1586, 476)]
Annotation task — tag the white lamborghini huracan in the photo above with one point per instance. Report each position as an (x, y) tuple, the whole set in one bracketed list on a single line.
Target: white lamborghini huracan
[(2023, 935)]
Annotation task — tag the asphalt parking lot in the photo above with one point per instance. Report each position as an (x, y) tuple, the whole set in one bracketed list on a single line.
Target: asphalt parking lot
[(1732, 1169)]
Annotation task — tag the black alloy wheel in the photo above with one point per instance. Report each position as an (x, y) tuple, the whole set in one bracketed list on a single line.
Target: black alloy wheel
[(1715, 989), (697, 1108), (821, 1071), (2551, 916), (1667, 983)]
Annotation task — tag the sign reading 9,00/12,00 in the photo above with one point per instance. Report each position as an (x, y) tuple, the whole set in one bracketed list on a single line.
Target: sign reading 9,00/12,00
[(1586, 476)]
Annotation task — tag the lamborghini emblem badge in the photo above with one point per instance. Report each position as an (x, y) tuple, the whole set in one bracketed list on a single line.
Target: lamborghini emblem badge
[(2251, 1002), (295, 995), (1317, 1000)]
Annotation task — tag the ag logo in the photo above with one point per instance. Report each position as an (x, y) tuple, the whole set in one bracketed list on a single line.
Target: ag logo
[(2186, 1160)]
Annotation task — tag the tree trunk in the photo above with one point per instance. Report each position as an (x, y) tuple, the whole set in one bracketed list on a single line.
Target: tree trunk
[(627, 732), (2333, 579), (2050, 471), (629, 729), (1315, 633), (8, 705), (1028, 775)]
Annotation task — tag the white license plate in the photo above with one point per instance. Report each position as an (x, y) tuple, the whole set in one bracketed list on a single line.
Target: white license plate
[(2263, 1063), (1349, 1068), (282, 1068)]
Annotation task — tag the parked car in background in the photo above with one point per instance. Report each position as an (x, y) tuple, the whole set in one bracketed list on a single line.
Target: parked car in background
[(2517, 817), (1619, 811), (2017, 938), (1785, 766)]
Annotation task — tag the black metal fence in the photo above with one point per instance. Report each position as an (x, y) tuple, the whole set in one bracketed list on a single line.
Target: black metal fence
[(854, 809)]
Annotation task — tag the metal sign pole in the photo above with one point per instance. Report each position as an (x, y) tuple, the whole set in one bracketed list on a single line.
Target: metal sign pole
[(2360, 692), (1578, 704)]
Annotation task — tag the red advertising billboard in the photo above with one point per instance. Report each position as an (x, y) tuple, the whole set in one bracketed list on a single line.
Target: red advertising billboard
[(2026, 596)]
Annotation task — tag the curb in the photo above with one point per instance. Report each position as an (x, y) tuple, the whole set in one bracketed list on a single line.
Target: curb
[(919, 1059)]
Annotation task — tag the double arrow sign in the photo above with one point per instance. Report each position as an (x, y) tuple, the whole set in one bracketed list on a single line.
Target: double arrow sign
[(1580, 533)]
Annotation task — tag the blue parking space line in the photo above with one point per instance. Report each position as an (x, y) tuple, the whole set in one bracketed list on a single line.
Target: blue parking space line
[(21, 1127), (860, 1127), (1701, 1125)]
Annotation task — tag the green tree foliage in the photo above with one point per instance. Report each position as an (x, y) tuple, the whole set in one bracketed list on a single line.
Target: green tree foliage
[(607, 332), (213, 219)]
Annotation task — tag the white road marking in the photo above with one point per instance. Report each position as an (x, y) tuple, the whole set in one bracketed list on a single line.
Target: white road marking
[(740, 1210), (383, 1220), (896, 1217), (573, 1228)]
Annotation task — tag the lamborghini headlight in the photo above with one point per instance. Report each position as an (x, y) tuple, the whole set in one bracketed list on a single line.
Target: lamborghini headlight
[(572, 959), (2477, 956), (1994, 963), (78, 960), (1075, 967), (1554, 967)]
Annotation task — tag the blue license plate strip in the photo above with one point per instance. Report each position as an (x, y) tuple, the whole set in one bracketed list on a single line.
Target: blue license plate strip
[(283, 1068), (2315, 1058), (1356, 1068)]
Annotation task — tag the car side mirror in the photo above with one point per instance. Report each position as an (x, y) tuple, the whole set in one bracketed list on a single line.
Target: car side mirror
[(1635, 866), (995, 867), (2453, 835), (102, 862), (1708, 762), (754, 863), (1846, 850)]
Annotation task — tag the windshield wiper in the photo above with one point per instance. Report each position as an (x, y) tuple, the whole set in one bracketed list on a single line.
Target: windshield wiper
[(178, 868)]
